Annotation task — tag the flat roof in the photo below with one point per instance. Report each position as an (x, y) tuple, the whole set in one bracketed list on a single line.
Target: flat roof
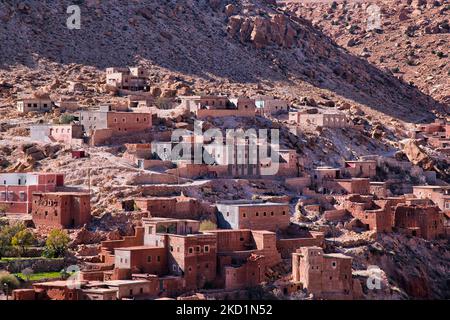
[(250, 203), (158, 219), (60, 283), (115, 283), (63, 193), (337, 255), (100, 290), (137, 248)]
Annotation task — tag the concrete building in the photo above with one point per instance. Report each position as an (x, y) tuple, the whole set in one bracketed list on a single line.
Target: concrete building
[(440, 195), (62, 210), (16, 189), (103, 125), (37, 104), (218, 106), (132, 79), (266, 105), (64, 133), (254, 215), (325, 119), (360, 168)]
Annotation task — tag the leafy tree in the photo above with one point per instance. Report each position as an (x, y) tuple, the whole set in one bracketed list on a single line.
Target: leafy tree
[(23, 239), (6, 235), (8, 282), (56, 244), (66, 119)]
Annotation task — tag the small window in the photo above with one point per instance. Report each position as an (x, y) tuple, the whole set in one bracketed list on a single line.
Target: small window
[(206, 248), (149, 259)]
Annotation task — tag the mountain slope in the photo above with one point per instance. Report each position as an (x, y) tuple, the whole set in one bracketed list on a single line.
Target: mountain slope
[(195, 40)]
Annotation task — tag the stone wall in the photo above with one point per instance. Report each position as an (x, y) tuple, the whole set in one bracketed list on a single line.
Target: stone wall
[(38, 265)]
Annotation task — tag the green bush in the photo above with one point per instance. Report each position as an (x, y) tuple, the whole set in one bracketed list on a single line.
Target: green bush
[(8, 281), (22, 240), (66, 119), (57, 244), (7, 233)]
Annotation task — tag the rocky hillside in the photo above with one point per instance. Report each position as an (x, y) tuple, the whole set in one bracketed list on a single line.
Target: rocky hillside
[(238, 46), (410, 43)]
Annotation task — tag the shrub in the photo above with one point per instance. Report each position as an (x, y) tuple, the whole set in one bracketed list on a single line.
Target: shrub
[(163, 103), (57, 244), (8, 281), (66, 119), (23, 239), (207, 225), (7, 233)]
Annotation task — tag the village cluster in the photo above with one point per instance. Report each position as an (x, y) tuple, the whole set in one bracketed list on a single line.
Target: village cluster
[(170, 254)]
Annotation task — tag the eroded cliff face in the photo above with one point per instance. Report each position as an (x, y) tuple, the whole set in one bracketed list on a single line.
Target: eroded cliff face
[(414, 268)]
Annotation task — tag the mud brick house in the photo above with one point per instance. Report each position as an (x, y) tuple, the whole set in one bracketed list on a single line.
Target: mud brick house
[(243, 257), (59, 290), (16, 189), (175, 254), (103, 125), (142, 156), (320, 175), (175, 247), (326, 276), (294, 237), (40, 104), (89, 290), (440, 195), (194, 103), (266, 105), (375, 215), (67, 104), (439, 125), (179, 207), (419, 220), (360, 168), (218, 106), (63, 133), (326, 119), (132, 79), (379, 189), (61, 209), (347, 186), (254, 215)]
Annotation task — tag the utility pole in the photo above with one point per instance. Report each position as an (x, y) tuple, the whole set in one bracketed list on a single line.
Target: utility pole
[(89, 180)]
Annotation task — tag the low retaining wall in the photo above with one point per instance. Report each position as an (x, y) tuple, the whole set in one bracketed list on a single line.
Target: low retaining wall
[(38, 265)]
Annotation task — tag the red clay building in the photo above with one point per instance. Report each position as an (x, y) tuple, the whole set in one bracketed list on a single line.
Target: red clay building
[(254, 215), (419, 220), (61, 209), (326, 276), (104, 124), (16, 189)]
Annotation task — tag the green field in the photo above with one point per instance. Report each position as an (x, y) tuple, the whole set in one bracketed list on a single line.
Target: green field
[(39, 276)]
